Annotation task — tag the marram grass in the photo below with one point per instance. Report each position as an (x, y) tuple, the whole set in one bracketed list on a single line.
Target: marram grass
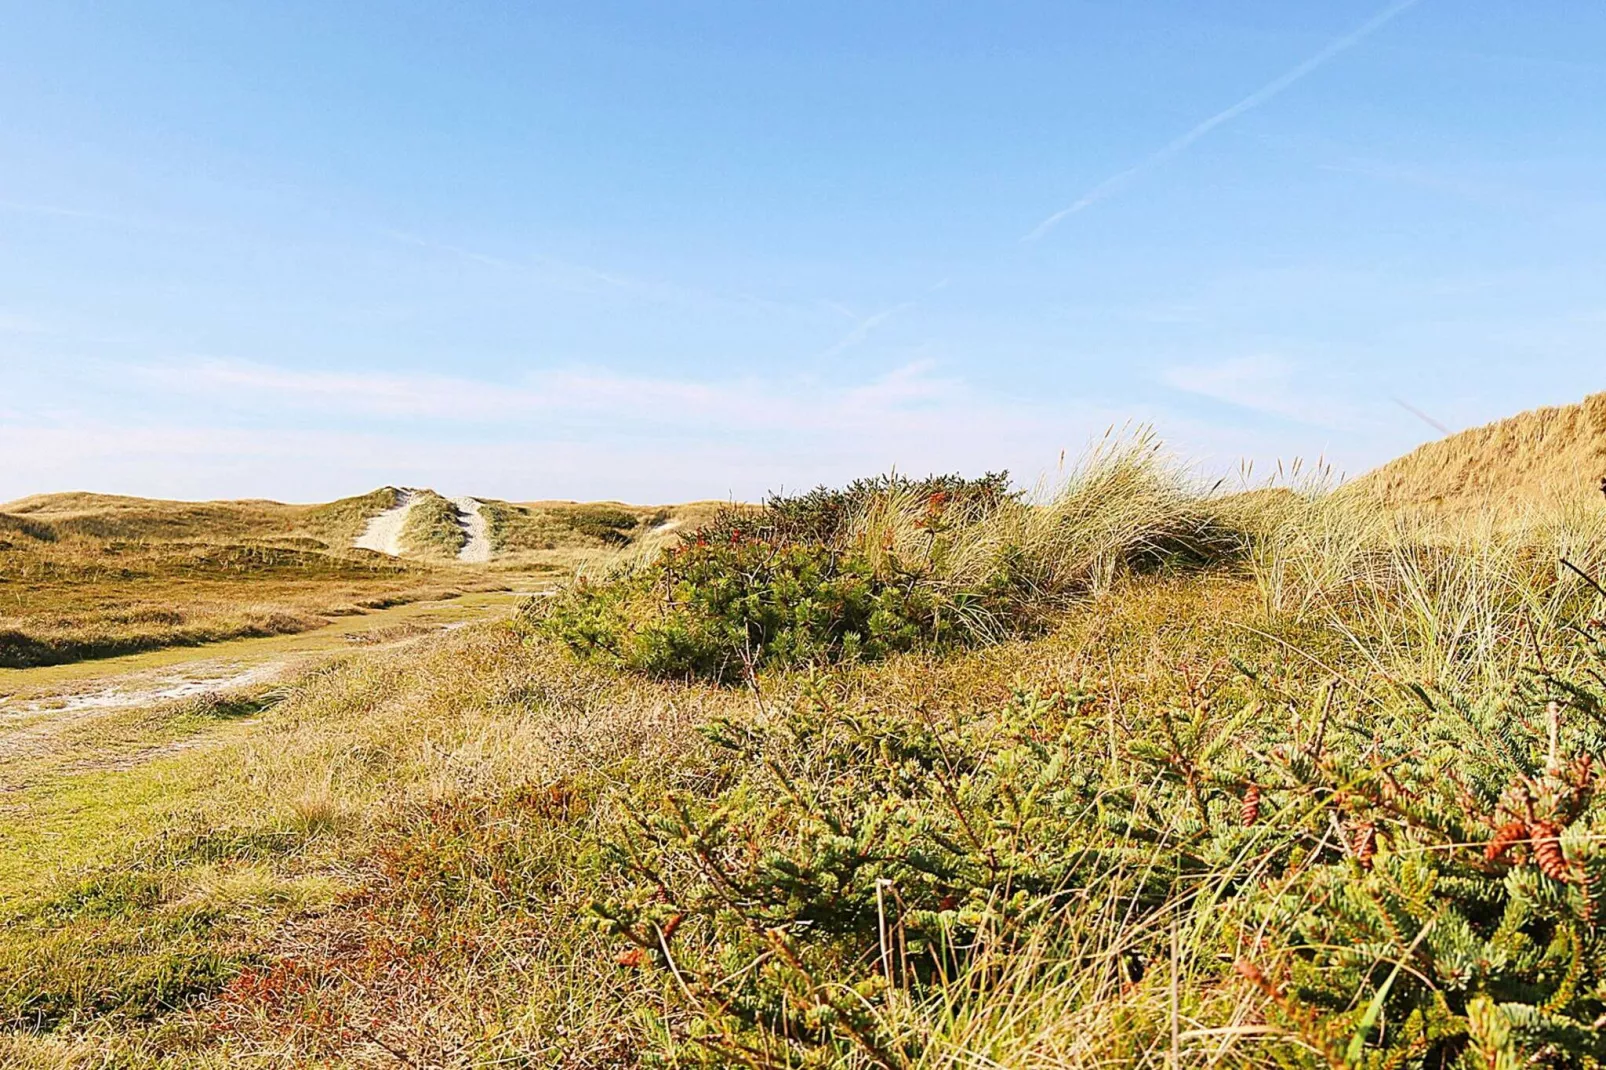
[(1322, 794)]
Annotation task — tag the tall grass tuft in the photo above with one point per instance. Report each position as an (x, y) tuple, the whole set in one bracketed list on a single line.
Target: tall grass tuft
[(892, 563), (1446, 601)]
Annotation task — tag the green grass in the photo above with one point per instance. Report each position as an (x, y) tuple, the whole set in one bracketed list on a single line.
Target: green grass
[(1033, 852)]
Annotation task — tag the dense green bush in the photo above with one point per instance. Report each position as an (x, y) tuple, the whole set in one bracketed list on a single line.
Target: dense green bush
[(719, 608), (825, 514), (884, 565), (1413, 883)]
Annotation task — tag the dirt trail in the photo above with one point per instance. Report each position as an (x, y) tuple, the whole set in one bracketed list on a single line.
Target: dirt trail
[(384, 531), (144, 689), (34, 703), (477, 551)]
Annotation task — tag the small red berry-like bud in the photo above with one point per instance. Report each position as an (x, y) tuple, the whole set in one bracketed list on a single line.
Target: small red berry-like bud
[(1506, 837), (1365, 844), (1253, 974), (1548, 855), (1250, 811)]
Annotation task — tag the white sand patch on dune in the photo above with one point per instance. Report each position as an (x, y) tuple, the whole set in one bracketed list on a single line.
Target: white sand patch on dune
[(384, 531), (477, 551)]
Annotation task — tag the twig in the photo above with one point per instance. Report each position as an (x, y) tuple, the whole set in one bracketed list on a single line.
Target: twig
[(1586, 577)]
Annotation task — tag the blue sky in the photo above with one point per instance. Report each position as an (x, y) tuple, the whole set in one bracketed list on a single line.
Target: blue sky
[(668, 250)]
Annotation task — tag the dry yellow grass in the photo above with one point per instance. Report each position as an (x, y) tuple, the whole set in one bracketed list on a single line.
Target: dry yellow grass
[(87, 575), (304, 829), (392, 861), (95, 575), (564, 538), (1536, 460)]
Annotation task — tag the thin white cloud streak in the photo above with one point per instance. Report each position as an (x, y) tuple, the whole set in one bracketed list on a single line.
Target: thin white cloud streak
[(1254, 100), (542, 266), (310, 464), (203, 429), (863, 328), (12, 323), (856, 434), (907, 397), (56, 211), (1266, 384), (1424, 417), (548, 271)]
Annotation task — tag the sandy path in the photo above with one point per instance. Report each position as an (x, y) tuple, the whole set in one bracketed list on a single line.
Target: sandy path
[(41, 722), (477, 551), (384, 531), (146, 689)]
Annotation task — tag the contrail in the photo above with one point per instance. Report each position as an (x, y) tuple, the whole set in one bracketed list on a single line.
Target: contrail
[(1424, 417), (1254, 100)]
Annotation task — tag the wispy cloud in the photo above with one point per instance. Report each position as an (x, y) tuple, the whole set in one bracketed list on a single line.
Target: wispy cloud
[(12, 323), (902, 397), (1552, 205), (231, 428), (58, 211), (211, 428), (1271, 89), (1424, 417), (544, 266), (863, 328), (1266, 384), (558, 273)]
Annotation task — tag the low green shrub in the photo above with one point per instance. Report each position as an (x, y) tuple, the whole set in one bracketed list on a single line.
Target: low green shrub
[(886, 565), (826, 515), (1417, 883), (717, 609)]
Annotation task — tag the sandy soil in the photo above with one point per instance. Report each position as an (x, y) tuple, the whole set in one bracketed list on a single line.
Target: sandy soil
[(477, 551), (148, 690), (384, 531)]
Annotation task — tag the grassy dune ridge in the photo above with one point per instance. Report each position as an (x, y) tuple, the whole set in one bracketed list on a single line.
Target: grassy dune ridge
[(1534, 461), (563, 537), (434, 528), (89, 576), (1271, 780)]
